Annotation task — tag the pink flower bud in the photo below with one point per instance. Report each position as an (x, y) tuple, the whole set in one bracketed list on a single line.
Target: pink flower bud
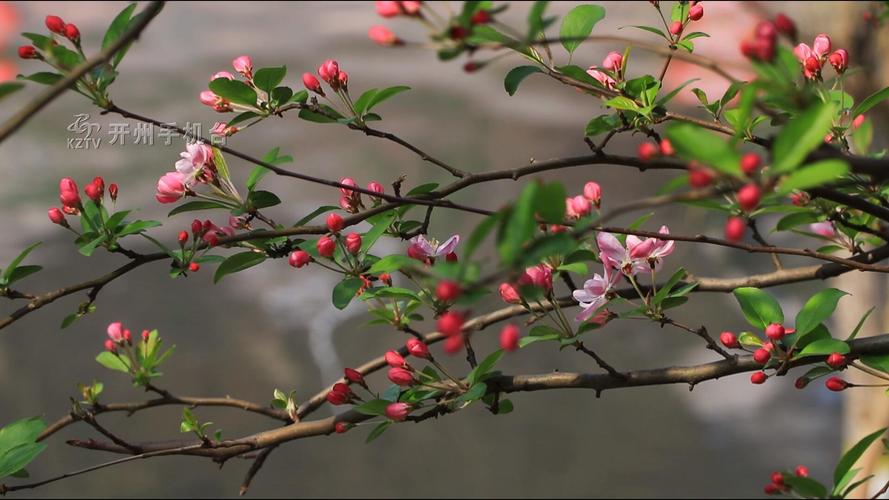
[(821, 46), (72, 33), (539, 276), (354, 376), (481, 16), (748, 197), (509, 294), (765, 30), (578, 207), (115, 331), (28, 52), (343, 79), (667, 147), (353, 243), (388, 9), (411, 7), (329, 72), (398, 411), (208, 98), (222, 74), (325, 246), (183, 237), (750, 163), (382, 35), (68, 194), (696, 12), (376, 187), (194, 266), (839, 59), (146, 335), (299, 258), (170, 188), (453, 345), (312, 83), (447, 291), (348, 181), (729, 340), (735, 228), (613, 61), (417, 348), (836, 360), (110, 346), (395, 360), (112, 192), (55, 24), (342, 427), (761, 356), (775, 331), (93, 192), (786, 26), (801, 471), (335, 223), (400, 376), (340, 394), (57, 217), (647, 151), (509, 338), (197, 228), (450, 323), (593, 192), (676, 28), (836, 384), (244, 66)]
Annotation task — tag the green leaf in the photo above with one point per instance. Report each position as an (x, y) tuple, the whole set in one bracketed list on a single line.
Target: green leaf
[(796, 219), (760, 308), (878, 362), (234, 91), (817, 309), (477, 391), (602, 124), (330, 115), (695, 143), (823, 347), (551, 202), (238, 262), (192, 206), (814, 175), (624, 103), (118, 26), (578, 24), (113, 362), (860, 324), (7, 88), (484, 367), (854, 453), (22, 272), (17, 458), (262, 199), (16, 261), (516, 76), (749, 339), (137, 227), (871, 101), (384, 95), (806, 487), (520, 224), (650, 29), (391, 263), (378, 431), (268, 78), (315, 213), (801, 136), (345, 291), (20, 432), (374, 407), (667, 98), (536, 23)]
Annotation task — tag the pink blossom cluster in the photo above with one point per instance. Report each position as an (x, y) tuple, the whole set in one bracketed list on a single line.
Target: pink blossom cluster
[(427, 249), (195, 166), (243, 65), (582, 204), (813, 58), (350, 199)]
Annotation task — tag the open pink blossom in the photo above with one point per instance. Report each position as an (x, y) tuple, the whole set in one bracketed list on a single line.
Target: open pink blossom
[(195, 157), (821, 46), (115, 331), (613, 61), (594, 293), (613, 253), (602, 77), (170, 188), (825, 229), (431, 248)]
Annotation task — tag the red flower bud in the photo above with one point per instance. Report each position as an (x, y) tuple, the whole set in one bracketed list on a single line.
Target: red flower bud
[(700, 177), (183, 237), (28, 52), (801, 471), (777, 478), (72, 33), (382, 35), (55, 24), (57, 217), (197, 228), (386, 278), (647, 151), (447, 291), (400, 376), (729, 340), (94, 192), (353, 376), (110, 345), (735, 228), (667, 147), (353, 243), (335, 223), (112, 192), (395, 360), (451, 257), (452, 345), (761, 356), (194, 267), (326, 246), (775, 331), (398, 411), (68, 194), (376, 187), (312, 83), (758, 378), (341, 427), (801, 383), (839, 59), (750, 163), (748, 197), (836, 384), (836, 360), (481, 16), (299, 258), (696, 12), (676, 28), (771, 489), (450, 324), (340, 394), (417, 348), (509, 338), (785, 26)]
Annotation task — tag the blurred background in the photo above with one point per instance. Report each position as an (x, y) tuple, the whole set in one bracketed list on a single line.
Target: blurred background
[(272, 327)]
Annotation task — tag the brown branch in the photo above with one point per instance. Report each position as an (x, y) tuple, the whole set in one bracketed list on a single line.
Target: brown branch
[(32, 108)]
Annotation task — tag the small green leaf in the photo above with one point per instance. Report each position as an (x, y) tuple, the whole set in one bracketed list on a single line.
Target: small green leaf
[(519, 226), (602, 124), (385, 94), (391, 263), (801, 136), (345, 291), (484, 367), (192, 206), (516, 76), (749, 339), (871, 101), (7, 88), (7, 274), (806, 487), (760, 308), (113, 362), (378, 431), (695, 143), (268, 78), (18, 457), (234, 91), (817, 309), (854, 453), (238, 262), (578, 24), (474, 393), (823, 347), (814, 175), (374, 407)]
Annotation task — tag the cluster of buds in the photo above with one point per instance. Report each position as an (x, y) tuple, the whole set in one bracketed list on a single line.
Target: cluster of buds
[(326, 245), (761, 46), (330, 72), (648, 151), (695, 13), (195, 166), (118, 336), (69, 196), (450, 324), (341, 394), (350, 199), (208, 232), (243, 65), (57, 26), (777, 486), (813, 58), (540, 276), (611, 71), (582, 204), (394, 9)]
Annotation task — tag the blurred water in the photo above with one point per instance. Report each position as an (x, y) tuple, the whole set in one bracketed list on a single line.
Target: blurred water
[(272, 327)]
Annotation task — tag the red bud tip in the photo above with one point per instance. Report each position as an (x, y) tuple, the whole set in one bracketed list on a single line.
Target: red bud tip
[(836, 384), (729, 340), (758, 378), (194, 267), (326, 246), (775, 331), (353, 243), (748, 197), (417, 348), (762, 356), (55, 24), (735, 228)]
